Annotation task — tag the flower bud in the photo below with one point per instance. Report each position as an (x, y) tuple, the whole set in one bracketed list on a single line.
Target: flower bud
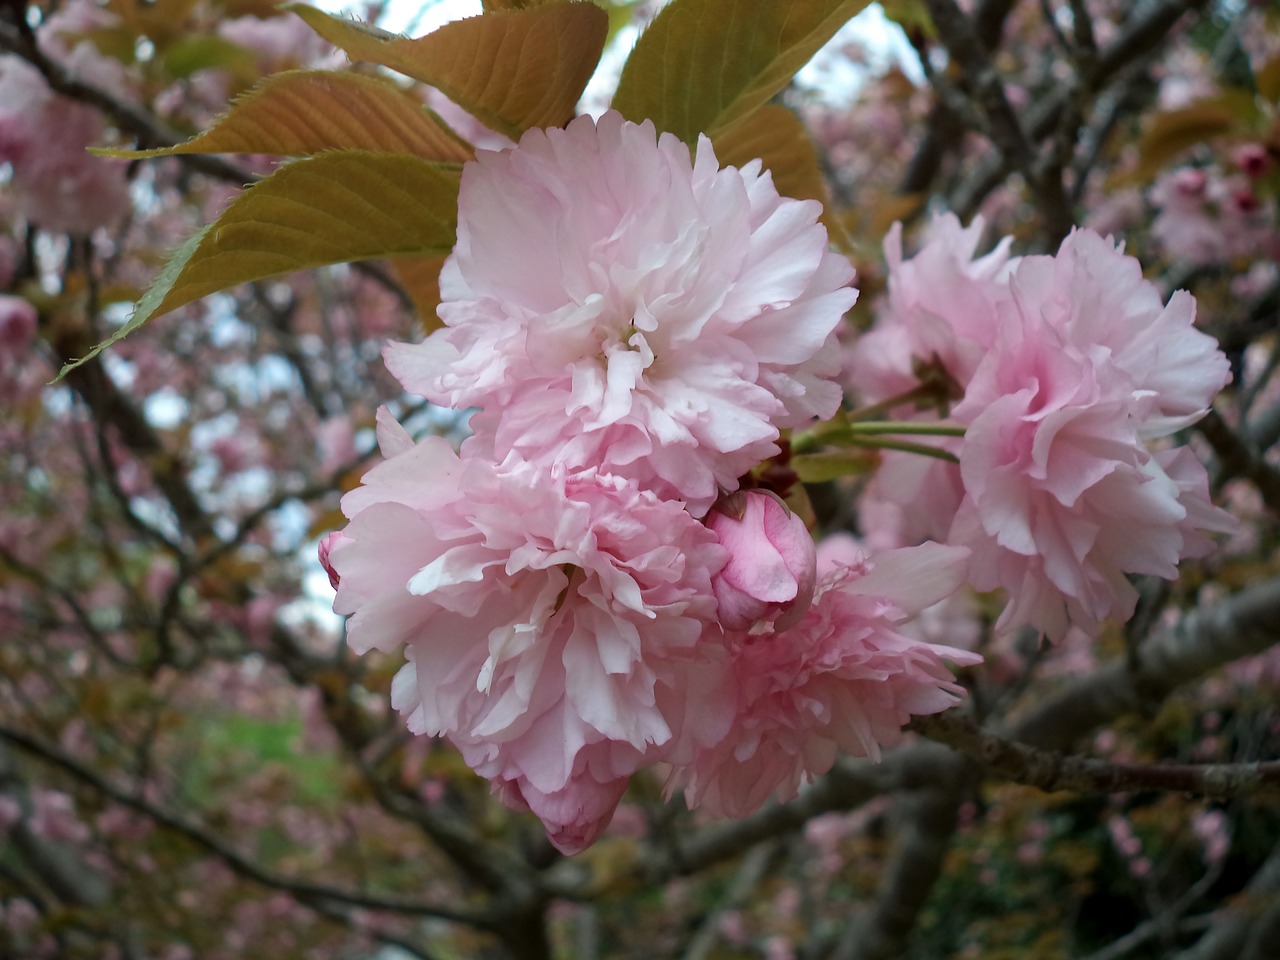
[(17, 324), (327, 543), (772, 562), (1253, 159)]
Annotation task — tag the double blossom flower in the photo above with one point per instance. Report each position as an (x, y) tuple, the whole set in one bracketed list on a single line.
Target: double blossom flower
[(1070, 374)]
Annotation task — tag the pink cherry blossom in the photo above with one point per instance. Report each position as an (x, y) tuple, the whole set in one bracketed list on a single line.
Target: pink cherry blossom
[(43, 137), (575, 816), (1205, 217), (941, 309), (612, 304), (845, 678), (554, 624), (911, 498), (772, 565), (839, 549), (940, 318), (1062, 498), (65, 36), (279, 42)]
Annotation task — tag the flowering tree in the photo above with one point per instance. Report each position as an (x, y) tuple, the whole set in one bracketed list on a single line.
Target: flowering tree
[(762, 523)]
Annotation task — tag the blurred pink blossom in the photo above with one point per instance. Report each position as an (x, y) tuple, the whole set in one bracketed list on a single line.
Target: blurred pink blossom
[(43, 137), (10, 813), (280, 42), (1214, 830), (53, 816), (1252, 159), (465, 124), (837, 550), (336, 438), (65, 37), (1206, 217), (17, 324)]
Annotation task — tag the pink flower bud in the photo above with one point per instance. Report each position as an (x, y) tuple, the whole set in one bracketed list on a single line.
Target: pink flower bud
[(772, 562), (1246, 200), (17, 323), (327, 543), (1253, 159)]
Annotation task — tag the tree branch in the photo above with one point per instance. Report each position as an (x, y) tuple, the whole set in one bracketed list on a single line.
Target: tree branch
[(1244, 624), (1003, 126), (926, 825), (1141, 35), (1239, 458), (1232, 929), (1052, 771), (148, 131), (302, 890)]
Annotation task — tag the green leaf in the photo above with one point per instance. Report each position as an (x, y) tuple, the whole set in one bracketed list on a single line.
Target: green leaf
[(910, 15), (512, 69), (821, 467), (204, 51), (1267, 78), (332, 208), (1172, 132), (493, 5), (704, 65), (420, 278), (621, 13), (304, 112)]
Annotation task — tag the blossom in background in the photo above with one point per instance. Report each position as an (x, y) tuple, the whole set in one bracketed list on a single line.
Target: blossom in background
[(43, 136), (280, 43), (465, 124), (20, 377), (845, 678), (554, 623), (1063, 499), (18, 323), (1207, 217), (611, 304)]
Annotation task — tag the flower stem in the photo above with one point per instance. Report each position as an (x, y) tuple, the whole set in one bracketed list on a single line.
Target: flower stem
[(906, 446), (876, 427)]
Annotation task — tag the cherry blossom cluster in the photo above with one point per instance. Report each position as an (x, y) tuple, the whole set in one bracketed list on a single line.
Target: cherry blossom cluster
[(1070, 376), (594, 584), (1212, 215), (43, 136)]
